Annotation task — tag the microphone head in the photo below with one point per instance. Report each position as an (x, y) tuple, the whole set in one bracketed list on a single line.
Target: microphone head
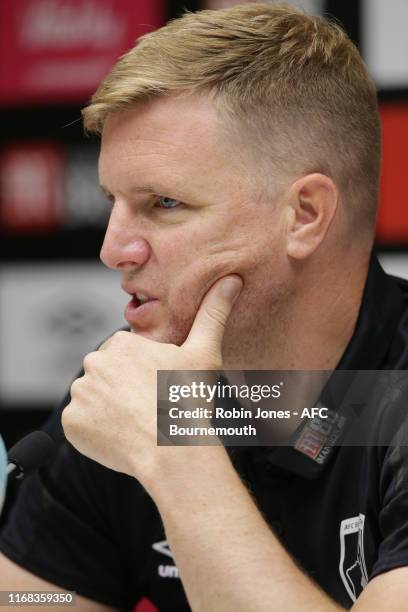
[(32, 451)]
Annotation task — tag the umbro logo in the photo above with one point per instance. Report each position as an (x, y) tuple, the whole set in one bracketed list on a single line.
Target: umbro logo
[(163, 548), (165, 571)]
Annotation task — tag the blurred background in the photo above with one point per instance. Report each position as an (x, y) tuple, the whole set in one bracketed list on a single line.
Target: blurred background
[(56, 300)]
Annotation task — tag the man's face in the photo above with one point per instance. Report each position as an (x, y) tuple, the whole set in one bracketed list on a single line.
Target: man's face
[(185, 214)]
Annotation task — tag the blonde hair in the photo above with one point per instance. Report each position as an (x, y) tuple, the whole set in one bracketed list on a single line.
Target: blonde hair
[(293, 82)]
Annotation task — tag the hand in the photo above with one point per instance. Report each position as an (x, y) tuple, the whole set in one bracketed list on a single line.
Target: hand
[(112, 416)]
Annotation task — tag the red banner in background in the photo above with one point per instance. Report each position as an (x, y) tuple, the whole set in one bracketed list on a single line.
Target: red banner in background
[(32, 187), (392, 224), (59, 50)]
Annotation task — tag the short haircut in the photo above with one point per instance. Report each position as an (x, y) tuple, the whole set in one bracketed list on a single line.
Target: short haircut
[(292, 85)]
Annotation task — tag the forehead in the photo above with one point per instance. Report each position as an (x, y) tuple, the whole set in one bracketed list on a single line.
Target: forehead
[(175, 115), (176, 130), (178, 146)]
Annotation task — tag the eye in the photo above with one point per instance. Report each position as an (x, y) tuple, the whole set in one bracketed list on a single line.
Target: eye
[(166, 203)]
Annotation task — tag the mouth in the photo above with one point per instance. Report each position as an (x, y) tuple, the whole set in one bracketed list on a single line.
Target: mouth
[(140, 298), (140, 309)]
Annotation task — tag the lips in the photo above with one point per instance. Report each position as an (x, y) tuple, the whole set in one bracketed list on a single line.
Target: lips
[(134, 302), (140, 309), (137, 302), (142, 298), (139, 293)]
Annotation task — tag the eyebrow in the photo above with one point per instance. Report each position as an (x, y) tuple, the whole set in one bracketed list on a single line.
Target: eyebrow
[(141, 189)]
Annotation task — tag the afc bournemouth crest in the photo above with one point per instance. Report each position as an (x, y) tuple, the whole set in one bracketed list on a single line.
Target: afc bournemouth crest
[(352, 565)]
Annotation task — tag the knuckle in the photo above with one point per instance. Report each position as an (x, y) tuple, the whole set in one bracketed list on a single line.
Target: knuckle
[(90, 361), (75, 387), (67, 418), (120, 336), (114, 342)]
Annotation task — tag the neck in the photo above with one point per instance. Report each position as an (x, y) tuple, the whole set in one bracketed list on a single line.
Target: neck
[(310, 329)]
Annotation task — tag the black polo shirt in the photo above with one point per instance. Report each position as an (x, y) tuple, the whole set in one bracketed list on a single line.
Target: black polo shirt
[(344, 519)]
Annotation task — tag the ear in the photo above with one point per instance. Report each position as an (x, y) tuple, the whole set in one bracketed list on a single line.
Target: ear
[(312, 203)]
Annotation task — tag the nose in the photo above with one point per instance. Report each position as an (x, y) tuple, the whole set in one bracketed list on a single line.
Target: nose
[(123, 246)]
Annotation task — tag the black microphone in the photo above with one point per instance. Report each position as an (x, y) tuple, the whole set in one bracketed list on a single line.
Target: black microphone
[(30, 453)]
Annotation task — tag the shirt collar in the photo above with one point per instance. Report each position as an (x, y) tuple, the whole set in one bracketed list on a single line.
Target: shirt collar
[(380, 311)]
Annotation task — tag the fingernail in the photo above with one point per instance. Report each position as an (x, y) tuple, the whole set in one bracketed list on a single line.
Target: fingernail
[(231, 288)]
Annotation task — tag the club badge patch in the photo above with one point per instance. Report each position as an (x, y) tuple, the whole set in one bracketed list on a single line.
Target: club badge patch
[(352, 567), (319, 436)]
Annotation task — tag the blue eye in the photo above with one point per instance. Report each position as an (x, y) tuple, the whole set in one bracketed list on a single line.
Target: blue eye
[(167, 203)]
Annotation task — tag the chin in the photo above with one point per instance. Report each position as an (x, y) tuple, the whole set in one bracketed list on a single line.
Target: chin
[(164, 336)]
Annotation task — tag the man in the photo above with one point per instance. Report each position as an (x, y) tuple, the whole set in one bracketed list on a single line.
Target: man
[(240, 150)]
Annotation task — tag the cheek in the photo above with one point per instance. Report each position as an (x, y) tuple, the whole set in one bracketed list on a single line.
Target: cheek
[(187, 286), (190, 264), (195, 268)]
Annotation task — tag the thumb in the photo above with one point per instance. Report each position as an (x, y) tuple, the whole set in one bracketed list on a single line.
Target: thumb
[(208, 328)]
